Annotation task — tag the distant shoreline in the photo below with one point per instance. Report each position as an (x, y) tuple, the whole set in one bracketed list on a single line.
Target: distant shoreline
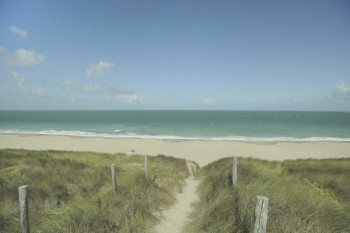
[(82, 134), (200, 151), (239, 126)]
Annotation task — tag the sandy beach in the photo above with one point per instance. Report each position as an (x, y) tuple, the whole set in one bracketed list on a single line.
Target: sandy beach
[(200, 151)]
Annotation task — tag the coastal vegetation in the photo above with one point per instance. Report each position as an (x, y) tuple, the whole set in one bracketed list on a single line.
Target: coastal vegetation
[(304, 196), (72, 191)]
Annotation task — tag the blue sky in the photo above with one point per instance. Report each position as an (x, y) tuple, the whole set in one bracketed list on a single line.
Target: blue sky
[(244, 55)]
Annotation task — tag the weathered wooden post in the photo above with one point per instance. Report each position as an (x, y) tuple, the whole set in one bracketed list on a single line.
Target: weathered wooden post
[(114, 181), (234, 172), (261, 211), (146, 171), (23, 193)]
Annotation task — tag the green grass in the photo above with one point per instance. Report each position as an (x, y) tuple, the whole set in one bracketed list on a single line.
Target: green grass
[(304, 196), (330, 176), (72, 191)]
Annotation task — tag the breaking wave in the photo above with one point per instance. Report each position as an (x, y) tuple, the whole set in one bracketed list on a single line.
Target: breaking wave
[(144, 135)]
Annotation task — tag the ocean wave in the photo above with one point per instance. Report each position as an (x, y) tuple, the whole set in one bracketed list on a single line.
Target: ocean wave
[(123, 134)]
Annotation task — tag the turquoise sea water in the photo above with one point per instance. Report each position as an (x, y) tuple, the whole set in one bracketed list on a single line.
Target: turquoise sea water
[(182, 125)]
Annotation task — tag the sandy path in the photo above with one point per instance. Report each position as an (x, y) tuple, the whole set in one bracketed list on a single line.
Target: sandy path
[(174, 219)]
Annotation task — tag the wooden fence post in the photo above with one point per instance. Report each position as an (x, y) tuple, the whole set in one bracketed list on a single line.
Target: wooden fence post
[(114, 180), (146, 169), (23, 193), (261, 211), (234, 172)]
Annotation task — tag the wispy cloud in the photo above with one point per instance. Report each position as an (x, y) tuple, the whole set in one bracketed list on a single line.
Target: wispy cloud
[(91, 88), (68, 85), (24, 87), (22, 33), (342, 91), (129, 99), (100, 69), (334, 99), (120, 91), (69, 88), (21, 58), (208, 101)]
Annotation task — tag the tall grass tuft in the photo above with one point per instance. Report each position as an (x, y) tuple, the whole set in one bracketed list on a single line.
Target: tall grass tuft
[(296, 203)]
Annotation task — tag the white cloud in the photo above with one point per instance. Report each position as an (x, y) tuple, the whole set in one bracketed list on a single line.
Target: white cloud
[(208, 101), (129, 99), (341, 92), (100, 69), (18, 31), (22, 58), (24, 87), (20, 79), (342, 89), (331, 100)]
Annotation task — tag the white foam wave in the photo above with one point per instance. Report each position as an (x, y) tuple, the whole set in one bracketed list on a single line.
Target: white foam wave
[(142, 135)]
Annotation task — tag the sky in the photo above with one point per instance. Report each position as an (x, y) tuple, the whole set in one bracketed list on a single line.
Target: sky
[(210, 55)]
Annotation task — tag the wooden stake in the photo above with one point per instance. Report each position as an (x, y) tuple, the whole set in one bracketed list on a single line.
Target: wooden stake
[(23, 193), (261, 212), (146, 169), (234, 172), (114, 180)]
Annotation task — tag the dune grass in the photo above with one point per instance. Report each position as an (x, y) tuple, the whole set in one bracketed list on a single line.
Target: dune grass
[(304, 196), (328, 176), (72, 191)]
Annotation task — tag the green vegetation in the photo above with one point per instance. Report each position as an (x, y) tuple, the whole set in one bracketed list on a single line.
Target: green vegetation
[(72, 191), (304, 196)]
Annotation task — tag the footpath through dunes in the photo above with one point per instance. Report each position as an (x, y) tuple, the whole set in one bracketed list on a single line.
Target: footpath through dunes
[(175, 218)]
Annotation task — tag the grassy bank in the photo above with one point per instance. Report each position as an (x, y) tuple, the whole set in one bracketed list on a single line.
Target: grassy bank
[(304, 196), (72, 191)]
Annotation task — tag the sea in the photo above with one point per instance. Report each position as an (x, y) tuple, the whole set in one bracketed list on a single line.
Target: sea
[(294, 126)]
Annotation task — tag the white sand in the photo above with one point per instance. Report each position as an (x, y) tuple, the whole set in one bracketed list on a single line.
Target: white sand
[(202, 152)]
